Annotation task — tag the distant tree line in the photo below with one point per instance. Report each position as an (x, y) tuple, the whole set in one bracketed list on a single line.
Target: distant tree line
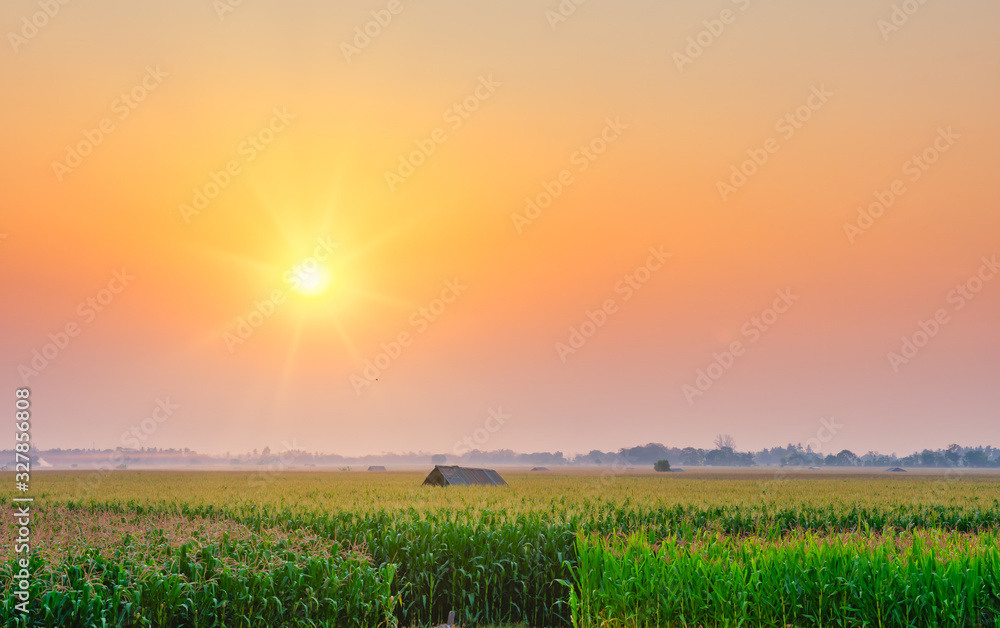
[(723, 454)]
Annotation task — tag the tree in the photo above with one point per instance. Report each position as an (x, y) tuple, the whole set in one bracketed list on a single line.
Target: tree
[(726, 457), (725, 441), (930, 458), (953, 454), (977, 458), (643, 454), (796, 459), (847, 458), (692, 457), (661, 465), (439, 459), (594, 457)]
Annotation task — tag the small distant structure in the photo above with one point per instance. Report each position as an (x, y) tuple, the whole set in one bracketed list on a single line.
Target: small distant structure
[(677, 470), (376, 467), (815, 468), (539, 468), (463, 476), (896, 470)]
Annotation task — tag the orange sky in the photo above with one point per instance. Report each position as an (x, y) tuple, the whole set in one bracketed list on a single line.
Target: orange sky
[(633, 130)]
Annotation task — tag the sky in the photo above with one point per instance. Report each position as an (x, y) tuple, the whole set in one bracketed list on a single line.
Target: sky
[(389, 226)]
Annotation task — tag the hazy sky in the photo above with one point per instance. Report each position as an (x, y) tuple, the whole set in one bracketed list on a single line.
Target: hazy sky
[(165, 165)]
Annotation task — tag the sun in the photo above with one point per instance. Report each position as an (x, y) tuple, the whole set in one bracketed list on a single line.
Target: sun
[(310, 278)]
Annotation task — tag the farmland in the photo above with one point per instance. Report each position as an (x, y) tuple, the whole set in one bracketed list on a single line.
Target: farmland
[(709, 548)]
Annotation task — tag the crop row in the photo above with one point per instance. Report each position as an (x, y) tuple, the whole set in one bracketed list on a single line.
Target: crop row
[(809, 581), (240, 584)]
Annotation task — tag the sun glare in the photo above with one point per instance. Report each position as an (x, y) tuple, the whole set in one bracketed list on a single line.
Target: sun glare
[(310, 279)]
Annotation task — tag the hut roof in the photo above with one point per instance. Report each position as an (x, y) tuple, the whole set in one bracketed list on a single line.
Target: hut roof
[(376, 467), (539, 468), (463, 476), (896, 470)]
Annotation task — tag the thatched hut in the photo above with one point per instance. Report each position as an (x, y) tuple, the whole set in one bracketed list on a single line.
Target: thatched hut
[(463, 476)]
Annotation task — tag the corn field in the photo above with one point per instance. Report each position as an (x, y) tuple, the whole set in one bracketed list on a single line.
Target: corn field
[(807, 580), (216, 549)]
